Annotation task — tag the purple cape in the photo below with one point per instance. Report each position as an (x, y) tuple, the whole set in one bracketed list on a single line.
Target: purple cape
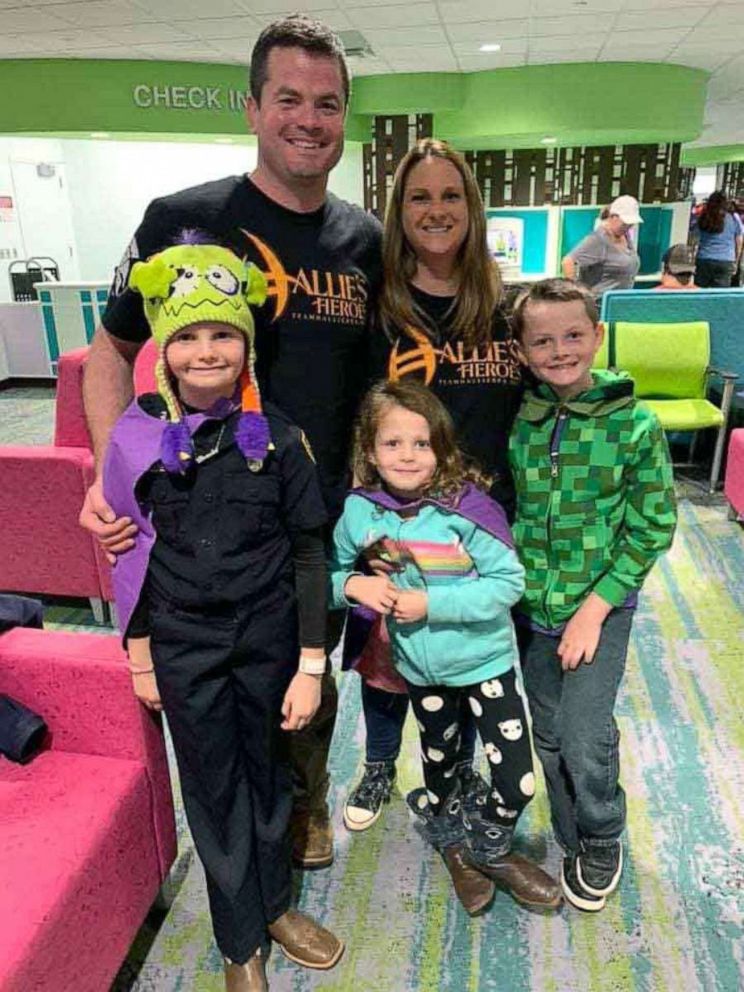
[(133, 449), (471, 503)]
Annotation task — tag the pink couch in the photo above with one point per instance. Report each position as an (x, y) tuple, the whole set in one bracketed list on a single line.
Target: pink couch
[(87, 831), (733, 485), (44, 548)]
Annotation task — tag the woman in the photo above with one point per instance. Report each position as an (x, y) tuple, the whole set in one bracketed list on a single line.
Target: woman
[(607, 258), (718, 232), (441, 325)]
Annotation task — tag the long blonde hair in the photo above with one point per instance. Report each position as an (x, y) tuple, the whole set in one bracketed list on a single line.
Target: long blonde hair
[(479, 283)]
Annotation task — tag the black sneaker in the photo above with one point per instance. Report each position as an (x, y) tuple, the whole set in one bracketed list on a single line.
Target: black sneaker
[(599, 866), (573, 890), (364, 804)]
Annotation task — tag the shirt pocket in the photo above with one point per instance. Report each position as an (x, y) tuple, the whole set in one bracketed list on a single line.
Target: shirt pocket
[(251, 511), (170, 508)]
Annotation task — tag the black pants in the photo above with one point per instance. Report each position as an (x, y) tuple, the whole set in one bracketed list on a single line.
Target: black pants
[(502, 724), (710, 273), (222, 675)]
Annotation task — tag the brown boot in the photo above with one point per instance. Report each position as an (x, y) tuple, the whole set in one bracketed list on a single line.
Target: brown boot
[(312, 838), (473, 889), (248, 977), (304, 941), (523, 880)]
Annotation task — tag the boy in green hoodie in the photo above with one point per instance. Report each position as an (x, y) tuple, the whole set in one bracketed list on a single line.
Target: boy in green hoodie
[(595, 509)]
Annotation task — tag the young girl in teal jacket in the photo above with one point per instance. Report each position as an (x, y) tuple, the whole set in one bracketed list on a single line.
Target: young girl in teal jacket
[(446, 604)]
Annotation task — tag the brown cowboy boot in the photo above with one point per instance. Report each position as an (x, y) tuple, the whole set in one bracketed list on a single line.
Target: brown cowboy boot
[(472, 888), (248, 977), (312, 838), (522, 879), (304, 941)]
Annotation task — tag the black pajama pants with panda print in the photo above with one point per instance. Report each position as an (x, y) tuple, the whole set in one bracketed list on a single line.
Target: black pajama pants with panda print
[(501, 720)]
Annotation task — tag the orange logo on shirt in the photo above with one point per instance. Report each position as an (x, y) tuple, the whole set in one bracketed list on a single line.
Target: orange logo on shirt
[(334, 296)]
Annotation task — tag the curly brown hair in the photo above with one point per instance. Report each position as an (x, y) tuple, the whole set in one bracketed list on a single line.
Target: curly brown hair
[(451, 472)]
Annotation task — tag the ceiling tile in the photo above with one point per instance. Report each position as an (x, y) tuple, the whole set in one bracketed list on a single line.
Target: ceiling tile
[(553, 58), (221, 27), (368, 67), (631, 5), (410, 59), (179, 11), (427, 34), (708, 59), (509, 46), (70, 41), (100, 13), (669, 17), (467, 11), (490, 62), (592, 42), (542, 8), (574, 26), (482, 31), (664, 38), (18, 21), (410, 15), (236, 48), (724, 15), (146, 34), (180, 51)]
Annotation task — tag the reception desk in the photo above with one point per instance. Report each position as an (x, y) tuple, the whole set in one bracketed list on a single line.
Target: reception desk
[(36, 334)]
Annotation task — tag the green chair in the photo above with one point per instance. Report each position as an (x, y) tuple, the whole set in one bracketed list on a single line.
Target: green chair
[(602, 358), (670, 366)]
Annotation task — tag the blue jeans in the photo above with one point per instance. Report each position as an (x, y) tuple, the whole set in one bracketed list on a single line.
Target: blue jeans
[(575, 734), (385, 714)]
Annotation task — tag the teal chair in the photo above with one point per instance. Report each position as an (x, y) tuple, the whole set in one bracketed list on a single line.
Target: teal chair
[(670, 366)]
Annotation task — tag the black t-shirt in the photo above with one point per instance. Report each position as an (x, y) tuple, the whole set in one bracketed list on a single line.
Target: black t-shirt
[(481, 389), (323, 269), (224, 533)]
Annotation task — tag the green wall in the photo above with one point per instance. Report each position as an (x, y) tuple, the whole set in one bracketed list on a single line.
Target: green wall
[(582, 103)]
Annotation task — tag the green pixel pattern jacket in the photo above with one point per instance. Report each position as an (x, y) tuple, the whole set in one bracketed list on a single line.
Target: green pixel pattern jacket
[(595, 496)]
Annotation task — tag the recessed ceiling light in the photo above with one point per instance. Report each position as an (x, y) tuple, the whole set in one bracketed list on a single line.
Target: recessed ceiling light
[(100, 134), (490, 48), (549, 140)]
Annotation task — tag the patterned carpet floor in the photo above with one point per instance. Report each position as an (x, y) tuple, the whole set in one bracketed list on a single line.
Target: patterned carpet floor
[(677, 921)]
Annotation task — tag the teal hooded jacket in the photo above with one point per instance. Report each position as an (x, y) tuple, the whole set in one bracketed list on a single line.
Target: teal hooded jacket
[(462, 556)]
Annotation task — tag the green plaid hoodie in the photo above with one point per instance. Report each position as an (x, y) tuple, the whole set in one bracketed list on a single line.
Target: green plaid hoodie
[(595, 496)]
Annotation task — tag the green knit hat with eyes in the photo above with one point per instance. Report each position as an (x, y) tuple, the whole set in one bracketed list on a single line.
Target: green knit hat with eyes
[(191, 284)]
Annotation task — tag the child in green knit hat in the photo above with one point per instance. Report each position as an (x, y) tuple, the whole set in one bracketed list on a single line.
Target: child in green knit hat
[(222, 598), (595, 509)]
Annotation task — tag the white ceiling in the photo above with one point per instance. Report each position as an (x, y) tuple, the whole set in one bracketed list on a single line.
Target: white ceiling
[(435, 35)]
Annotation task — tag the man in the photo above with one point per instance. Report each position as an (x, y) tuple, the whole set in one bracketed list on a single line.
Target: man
[(678, 268), (321, 257)]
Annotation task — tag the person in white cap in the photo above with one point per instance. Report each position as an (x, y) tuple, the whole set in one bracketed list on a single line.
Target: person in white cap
[(607, 258)]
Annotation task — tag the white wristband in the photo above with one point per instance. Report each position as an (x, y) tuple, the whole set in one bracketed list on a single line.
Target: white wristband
[(312, 666)]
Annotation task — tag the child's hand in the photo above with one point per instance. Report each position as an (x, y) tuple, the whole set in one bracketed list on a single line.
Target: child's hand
[(375, 591), (301, 700), (582, 632), (143, 676), (411, 605)]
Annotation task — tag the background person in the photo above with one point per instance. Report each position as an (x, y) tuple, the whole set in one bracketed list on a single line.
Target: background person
[(719, 234), (607, 258), (678, 268), (322, 259)]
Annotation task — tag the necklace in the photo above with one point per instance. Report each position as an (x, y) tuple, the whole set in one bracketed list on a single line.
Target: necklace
[(213, 450)]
